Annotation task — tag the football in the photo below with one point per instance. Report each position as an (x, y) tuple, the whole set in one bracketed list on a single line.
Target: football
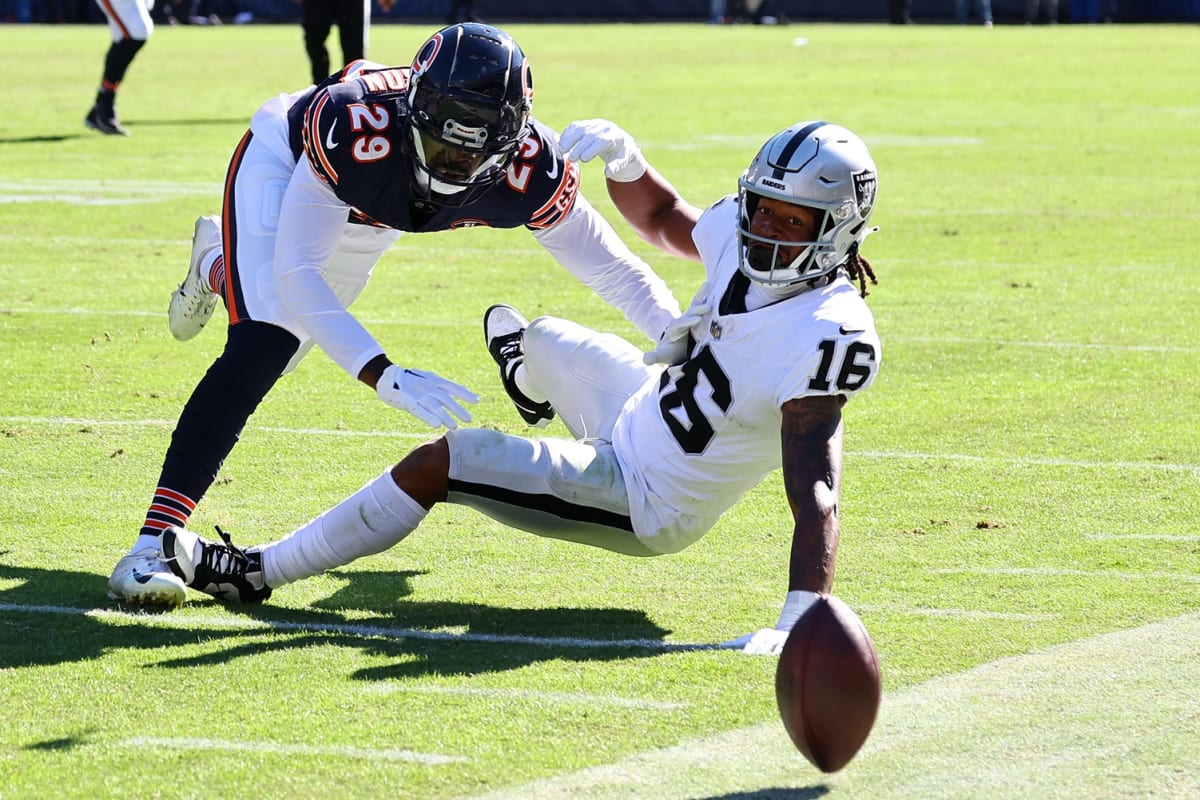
[(827, 684)]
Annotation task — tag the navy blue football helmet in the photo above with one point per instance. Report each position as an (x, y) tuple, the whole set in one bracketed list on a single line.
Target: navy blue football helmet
[(470, 97)]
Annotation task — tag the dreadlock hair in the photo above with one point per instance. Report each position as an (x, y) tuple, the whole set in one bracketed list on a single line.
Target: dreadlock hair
[(859, 269)]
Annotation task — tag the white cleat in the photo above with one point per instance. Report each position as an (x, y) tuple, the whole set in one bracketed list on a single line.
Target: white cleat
[(193, 302), (144, 579)]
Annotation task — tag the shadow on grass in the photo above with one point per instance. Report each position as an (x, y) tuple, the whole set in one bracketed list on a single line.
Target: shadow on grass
[(47, 611), (777, 793), (133, 124)]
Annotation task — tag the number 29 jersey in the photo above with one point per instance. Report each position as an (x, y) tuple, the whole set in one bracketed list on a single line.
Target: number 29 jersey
[(692, 443), (354, 132)]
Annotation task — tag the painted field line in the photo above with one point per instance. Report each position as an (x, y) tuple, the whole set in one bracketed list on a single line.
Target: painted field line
[(1056, 572), (1144, 537), (216, 622), (1111, 716), (1035, 462), (1131, 348), (126, 312), (752, 143), (876, 454), (156, 423), (955, 613), (81, 199), (184, 621), (565, 698), (408, 245), (111, 186), (307, 751)]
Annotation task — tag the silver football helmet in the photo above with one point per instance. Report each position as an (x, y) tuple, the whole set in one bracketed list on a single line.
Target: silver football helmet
[(813, 164)]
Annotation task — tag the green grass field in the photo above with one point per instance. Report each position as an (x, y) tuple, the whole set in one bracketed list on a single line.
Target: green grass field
[(1021, 495)]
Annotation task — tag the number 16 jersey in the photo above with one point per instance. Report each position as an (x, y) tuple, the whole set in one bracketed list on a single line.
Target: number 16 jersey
[(696, 440)]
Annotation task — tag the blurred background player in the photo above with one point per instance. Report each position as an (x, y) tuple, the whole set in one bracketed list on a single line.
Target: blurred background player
[(130, 25), (775, 342), (462, 11), (353, 20), (316, 192)]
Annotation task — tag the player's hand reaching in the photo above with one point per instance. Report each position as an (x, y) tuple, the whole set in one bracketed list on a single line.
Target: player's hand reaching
[(672, 344), (770, 641), (425, 395), (586, 139)]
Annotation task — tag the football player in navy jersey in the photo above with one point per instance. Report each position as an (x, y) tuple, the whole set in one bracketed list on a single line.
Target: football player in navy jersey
[(130, 26), (320, 187), (752, 378)]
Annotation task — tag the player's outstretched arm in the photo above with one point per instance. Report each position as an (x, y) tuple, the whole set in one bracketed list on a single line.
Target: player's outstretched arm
[(811, 439), (647, 201), (812, 478)]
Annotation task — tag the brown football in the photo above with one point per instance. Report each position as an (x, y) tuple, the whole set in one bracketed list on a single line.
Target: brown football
[(827, 684)]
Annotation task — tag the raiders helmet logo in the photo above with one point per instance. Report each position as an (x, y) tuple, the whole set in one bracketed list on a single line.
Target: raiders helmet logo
[(864, 191)]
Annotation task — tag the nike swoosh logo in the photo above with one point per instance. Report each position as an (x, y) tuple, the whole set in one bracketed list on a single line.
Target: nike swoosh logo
[(142, 577), (849, 331), (330, 144), (553, 171)]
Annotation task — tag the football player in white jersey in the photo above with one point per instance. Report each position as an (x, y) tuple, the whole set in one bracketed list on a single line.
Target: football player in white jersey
[(750, 378)]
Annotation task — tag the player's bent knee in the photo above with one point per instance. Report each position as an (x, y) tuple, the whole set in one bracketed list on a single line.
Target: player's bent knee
[(539, 333), (424, 474)]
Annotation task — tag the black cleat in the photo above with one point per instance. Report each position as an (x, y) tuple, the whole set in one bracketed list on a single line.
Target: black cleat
[(217, 568), (504, 329), (104, 120)]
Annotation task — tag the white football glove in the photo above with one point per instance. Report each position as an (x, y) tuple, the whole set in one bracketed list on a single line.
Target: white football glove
[(770, 641), (672, 345), (586, 139), (428, 397)]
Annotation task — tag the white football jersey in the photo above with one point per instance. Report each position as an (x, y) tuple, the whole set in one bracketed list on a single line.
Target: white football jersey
[(721, 408)]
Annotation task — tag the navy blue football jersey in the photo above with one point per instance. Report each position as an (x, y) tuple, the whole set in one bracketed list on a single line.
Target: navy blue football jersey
[(352, 131)]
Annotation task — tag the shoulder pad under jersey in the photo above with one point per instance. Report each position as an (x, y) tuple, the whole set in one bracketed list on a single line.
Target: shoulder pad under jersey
[(541, 170), (358, 120)]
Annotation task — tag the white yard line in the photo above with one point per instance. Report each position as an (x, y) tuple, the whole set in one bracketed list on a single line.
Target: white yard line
[(1114, 716), (1144, 537), (411, 248), (112, 186), (954, 613), (221, 622), (145, 743), (1036, 462), (125, 312), (872, 454), (564, 698), (1054, 572), (1131, 348)]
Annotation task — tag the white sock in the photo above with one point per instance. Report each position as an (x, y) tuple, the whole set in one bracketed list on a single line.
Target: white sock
[(369, 521), (144, 542), (526, 385)]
